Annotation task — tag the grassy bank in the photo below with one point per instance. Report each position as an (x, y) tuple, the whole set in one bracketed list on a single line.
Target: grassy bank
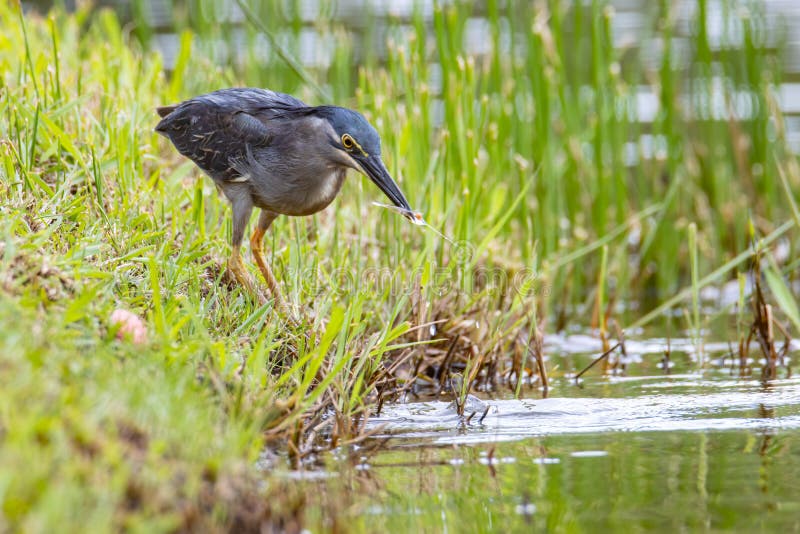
[(521, 158)]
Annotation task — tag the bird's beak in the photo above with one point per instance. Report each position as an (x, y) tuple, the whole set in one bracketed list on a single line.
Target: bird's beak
[(376, 171)]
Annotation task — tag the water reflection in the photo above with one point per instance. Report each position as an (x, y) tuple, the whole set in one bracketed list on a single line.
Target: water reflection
[(627, 482)]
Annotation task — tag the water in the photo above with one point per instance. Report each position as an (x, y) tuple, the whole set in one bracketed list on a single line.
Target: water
[(675, 403), (626, 482), (667, 453), (643, 446), (690, 446)]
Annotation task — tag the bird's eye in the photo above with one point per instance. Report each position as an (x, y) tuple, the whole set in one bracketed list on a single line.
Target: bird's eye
[(348, 142)]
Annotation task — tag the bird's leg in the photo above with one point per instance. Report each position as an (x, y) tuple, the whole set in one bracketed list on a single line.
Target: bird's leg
[(256, 239), (241, 213), (240, 274)]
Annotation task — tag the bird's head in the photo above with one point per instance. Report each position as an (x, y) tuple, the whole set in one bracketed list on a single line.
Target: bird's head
[(357, 145)]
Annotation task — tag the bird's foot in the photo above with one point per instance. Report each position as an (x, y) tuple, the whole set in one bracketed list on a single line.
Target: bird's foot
[(238, 272), (272, 283)]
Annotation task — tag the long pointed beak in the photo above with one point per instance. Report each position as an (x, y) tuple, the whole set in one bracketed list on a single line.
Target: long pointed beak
[(376, 171)]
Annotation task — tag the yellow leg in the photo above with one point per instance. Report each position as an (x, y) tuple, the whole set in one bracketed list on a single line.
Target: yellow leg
[(240, 274), (272, 283)]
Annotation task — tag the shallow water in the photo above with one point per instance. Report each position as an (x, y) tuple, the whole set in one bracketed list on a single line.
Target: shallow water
[(676, 403), (619, 481), (698, 449)]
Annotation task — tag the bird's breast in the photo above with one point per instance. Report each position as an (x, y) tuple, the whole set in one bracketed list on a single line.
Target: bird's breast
[(303, 194), (324, 191)]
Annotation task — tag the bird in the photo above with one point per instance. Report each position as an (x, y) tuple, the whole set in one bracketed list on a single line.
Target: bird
[(269, 150)]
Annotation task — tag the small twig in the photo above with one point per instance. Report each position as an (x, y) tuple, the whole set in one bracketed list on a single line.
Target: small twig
[(624, 352), (444, 369), (490, 462), (732, 354), (485, 413), (364, 436), (787, 341), (600, 358), (381, 399)]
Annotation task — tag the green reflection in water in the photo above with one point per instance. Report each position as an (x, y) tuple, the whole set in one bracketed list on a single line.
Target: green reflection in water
[(623, 482)]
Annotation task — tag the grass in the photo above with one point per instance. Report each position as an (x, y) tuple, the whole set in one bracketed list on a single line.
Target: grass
[(519, 157)]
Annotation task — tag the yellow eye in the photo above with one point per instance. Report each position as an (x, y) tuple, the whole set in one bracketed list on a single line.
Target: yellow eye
[(348, 142)]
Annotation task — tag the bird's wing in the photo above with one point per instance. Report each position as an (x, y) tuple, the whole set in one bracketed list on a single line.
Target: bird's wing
[(219, 130)]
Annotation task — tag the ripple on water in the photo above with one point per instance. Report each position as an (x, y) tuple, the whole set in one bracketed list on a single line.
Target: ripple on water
[(677, 404)]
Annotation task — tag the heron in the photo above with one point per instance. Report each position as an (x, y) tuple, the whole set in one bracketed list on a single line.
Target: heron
[(269, 150)]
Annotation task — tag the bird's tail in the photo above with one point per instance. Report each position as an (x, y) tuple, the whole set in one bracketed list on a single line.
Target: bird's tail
[(167, 119), (163, 111)]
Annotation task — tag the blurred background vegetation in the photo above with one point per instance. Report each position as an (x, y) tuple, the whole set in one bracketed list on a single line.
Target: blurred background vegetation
[(552, 123)]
